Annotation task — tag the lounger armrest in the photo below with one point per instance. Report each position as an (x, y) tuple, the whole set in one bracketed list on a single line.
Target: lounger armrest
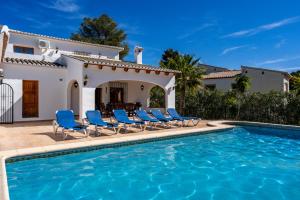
[(54, 123), (55, 126), (85, 121)]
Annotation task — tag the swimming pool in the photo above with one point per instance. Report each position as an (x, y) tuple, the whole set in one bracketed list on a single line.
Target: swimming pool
[(240, 163)]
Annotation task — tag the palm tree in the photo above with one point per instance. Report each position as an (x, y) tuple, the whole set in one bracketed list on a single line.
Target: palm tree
[(295, 82), (190, 77), (242, 83)]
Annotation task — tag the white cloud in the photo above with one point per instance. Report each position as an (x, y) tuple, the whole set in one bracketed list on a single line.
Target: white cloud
[(196, 30), (35, 23), (280, 43), (279, 60), (63, 5), (290, 69), (228, 50), (262, 28)]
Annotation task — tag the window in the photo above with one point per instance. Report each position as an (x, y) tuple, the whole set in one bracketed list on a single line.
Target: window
[(210, 87), (26, 50)]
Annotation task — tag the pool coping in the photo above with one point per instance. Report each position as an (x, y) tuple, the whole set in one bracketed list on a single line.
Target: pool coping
[(212, 126)]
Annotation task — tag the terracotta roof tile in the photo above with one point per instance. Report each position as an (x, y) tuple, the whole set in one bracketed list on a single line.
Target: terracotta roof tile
[(225, 74), (32, 62), (120, 64)]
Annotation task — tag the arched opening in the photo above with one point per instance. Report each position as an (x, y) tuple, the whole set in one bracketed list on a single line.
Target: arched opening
[(157, 97), (128, 95), (73, 97)]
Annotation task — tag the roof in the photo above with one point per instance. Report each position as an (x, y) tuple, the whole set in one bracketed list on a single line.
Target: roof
[(63, 39), (120, 64), (225, 74), (263, 69), (32, 62), (211, 66)]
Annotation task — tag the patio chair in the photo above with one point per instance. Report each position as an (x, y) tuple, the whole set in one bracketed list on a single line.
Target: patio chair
[(65, 119), (143, 115), (174, 114), (161, 117), (93, 117), (121, 117)]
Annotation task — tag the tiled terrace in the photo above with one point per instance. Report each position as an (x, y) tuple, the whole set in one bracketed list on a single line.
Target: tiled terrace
[(37, 134)]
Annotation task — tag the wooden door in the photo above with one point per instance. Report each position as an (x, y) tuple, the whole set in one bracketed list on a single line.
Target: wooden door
[(30, 99)]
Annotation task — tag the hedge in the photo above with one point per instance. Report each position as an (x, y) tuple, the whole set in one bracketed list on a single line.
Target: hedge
[(272, 107)]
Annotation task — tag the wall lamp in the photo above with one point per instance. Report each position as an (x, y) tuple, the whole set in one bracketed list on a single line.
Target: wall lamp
[(76, 84), (142, 87)]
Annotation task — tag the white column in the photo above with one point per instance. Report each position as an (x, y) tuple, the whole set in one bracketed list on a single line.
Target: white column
[(88, 100), (170, 93)]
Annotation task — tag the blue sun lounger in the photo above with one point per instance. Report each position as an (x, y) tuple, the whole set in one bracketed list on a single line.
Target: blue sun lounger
[(160, 116), (143, 115), (93, 117), (174, 114), (121, 117), (65, 119)]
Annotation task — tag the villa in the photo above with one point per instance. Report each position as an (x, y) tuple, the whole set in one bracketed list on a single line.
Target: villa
[(210, 160), (262, 80), (44, 73)]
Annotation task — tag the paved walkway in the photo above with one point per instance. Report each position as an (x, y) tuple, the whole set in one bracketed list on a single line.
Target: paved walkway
[(36, 134)]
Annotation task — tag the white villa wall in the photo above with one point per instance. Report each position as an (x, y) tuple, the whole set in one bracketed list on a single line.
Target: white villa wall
[(74, 73), (64, 47), (52, 88), (265, 82), (222, 84)]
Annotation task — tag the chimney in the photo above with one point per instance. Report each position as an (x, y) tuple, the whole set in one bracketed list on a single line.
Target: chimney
[(4, 37), (138, 54)]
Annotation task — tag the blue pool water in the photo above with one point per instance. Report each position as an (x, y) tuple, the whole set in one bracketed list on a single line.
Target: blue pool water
[(242, 163)]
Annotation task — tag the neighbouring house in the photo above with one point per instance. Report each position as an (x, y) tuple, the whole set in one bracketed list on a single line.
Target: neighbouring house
[(262, 80), (212, 69), (47, 73), (222, 81)]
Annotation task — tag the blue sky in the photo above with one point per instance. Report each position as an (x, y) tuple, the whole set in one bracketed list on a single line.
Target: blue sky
[(225, 33)]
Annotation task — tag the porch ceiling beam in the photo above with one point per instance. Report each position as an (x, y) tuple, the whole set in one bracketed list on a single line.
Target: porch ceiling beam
[(126, 69)]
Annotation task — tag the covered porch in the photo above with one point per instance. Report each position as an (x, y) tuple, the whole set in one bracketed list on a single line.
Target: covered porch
[(128, 95), (107, 85)]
